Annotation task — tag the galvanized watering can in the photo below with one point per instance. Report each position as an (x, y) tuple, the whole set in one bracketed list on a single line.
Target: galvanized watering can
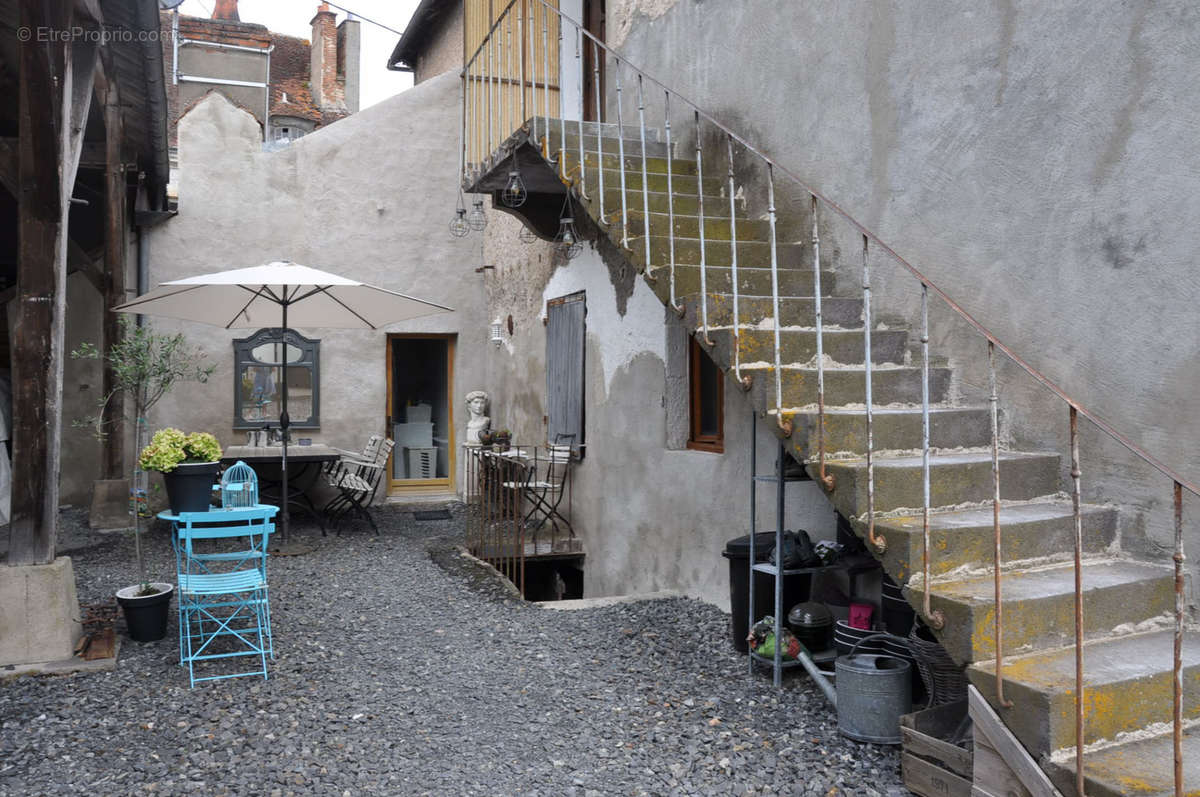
[(873, 691)]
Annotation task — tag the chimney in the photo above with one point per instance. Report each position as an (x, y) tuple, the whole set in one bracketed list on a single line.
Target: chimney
[(226, 9), (349, 42), (323, 62)]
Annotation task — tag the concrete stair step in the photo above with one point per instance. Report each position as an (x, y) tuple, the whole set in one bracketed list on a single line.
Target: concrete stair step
[(1127, 687), (964, 538), (751, 281), (955, 478), (1039, 605), (688, 226), (1144, 767), (751, 254), (660, 202), (800, 345), (681, 184), (895, 428), (894, 385), (633, 162), (797, 311)]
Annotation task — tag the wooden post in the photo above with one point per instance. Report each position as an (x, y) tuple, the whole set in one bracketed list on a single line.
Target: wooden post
[(114, 277), (55, 91)]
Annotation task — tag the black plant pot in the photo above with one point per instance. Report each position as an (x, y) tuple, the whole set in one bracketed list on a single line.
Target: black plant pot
[(190, 486), (146, 615)]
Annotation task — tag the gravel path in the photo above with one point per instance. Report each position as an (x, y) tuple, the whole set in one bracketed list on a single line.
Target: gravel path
[(399, 676)]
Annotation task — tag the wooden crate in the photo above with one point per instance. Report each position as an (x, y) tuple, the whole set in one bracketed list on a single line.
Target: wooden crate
[(932, 766)]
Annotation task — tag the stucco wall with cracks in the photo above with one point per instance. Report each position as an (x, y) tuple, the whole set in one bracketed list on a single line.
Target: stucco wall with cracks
[(652, 515), (1035, 160)]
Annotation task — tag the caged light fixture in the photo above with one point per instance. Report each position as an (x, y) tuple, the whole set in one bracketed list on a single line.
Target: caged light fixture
[(514, 193), (458, 225), (567, 241), (477, 221), (526, 235)]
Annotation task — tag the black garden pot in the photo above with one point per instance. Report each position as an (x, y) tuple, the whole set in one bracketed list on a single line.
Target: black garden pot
[(146, 615), (190, 486)]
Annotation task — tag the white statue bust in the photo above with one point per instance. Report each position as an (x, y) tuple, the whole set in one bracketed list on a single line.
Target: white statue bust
[(478, 422)]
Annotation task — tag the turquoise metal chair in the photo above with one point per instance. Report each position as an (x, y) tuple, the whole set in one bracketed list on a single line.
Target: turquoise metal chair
[(224, 605)]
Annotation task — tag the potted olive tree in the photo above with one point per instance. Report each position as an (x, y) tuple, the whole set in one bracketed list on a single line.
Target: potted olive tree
[(145, 366)]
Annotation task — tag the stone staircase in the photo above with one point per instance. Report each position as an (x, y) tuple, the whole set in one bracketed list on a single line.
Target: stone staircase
[(1126, 603)]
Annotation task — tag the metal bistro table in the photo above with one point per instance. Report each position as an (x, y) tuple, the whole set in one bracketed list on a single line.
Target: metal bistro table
[(304, 465)]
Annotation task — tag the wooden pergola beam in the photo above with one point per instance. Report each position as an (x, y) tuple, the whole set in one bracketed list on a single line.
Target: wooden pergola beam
[(54, 95), (115, 200)]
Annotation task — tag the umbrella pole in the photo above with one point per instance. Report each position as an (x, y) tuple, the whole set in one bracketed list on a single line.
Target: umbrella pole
[(284, 422)]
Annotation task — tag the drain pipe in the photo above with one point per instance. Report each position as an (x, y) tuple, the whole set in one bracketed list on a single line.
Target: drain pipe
[(143, 266)]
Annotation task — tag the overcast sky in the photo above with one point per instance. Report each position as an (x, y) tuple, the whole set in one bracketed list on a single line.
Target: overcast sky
[(292, 17)]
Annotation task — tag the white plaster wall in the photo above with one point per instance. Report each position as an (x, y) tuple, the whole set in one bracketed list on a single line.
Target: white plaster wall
[(368, 197), (650, 517)]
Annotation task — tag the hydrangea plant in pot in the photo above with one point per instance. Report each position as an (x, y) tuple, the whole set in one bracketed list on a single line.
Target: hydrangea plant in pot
[(188, 463)]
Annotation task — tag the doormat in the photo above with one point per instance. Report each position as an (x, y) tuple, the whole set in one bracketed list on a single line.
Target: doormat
[(433, 514)]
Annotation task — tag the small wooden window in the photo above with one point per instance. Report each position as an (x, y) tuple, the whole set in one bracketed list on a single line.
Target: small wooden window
[(707, 401)]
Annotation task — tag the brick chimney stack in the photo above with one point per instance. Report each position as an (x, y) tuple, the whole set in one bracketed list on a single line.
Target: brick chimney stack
[(334, 62), (226, 9), (326, 92)]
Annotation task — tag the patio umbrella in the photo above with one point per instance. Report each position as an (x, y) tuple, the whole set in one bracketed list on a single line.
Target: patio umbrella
[(277, 294)]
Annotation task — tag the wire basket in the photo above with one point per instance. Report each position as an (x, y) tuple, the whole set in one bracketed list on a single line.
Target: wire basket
[(239, 486), (945, 681)]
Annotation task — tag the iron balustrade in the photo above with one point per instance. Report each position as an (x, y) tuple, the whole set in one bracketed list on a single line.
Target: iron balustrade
[(474, 162)]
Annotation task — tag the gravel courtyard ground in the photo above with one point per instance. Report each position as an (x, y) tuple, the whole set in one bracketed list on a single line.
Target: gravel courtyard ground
[(403, 669)]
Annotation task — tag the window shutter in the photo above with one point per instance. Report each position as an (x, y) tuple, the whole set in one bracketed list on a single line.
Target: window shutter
[(565, 368)]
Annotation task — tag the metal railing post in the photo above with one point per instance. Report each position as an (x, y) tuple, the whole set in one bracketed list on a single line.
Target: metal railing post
[(876, 542), (1078, 517), (700, 220), (645, 179), (621, 156), (599, 127), (934, 619), (546, 80), (993, 402), (1177, 664), (521, 24), (743, 382), (579, 69), (670, 201), (785, 426), (825, 479)]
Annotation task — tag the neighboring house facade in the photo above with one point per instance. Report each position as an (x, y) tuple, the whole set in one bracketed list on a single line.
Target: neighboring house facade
[(291, 86)]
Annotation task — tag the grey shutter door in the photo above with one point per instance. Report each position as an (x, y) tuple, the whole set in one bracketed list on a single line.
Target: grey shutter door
[(565, 368)]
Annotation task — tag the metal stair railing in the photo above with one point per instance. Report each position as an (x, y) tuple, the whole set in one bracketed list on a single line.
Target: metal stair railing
[(480, 83)]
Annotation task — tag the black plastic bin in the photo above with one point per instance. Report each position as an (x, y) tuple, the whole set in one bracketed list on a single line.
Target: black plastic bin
[(795, 587)]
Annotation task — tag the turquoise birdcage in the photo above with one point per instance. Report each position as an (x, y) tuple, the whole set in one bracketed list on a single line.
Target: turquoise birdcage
[(239, 487)]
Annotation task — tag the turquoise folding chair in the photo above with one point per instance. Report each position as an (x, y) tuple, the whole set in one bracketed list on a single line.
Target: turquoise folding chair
[(224, 606)]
